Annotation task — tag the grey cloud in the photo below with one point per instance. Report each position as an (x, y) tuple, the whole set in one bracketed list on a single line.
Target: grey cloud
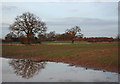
[(81, 21), (5, 24), (8, 8), (5, 28), (73, 10), (98, 22)]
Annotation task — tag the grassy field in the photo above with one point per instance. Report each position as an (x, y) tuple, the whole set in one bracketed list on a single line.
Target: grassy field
[(92, 55)]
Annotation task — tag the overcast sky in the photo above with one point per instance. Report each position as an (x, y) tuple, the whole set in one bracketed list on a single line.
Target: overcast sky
[(95, 19)]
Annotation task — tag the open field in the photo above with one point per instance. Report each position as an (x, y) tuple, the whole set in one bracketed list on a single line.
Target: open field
[(90, 55)]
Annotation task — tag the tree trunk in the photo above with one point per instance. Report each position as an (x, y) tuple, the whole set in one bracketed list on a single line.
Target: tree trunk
[(73, 41), (28, 39)]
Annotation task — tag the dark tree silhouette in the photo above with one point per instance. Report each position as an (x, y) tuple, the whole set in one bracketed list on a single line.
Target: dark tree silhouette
[(51, 36), (118, 36), (28, 24), (26, 68), (73, 32), (11, 37), (41, 37)]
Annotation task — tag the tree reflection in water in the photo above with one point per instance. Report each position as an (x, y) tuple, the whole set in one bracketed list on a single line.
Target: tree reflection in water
[(26, 68)]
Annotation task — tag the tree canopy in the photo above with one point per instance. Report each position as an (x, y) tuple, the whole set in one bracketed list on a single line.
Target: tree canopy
[(28, 24)]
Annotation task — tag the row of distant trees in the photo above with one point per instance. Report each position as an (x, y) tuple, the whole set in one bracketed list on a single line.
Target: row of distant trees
[(70, 34), (100, 39), (52, 36)]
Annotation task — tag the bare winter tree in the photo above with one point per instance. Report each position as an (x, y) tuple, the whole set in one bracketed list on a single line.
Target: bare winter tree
[(28, 24), (11, 37), (75, 31), (51, 35), (118, 37)]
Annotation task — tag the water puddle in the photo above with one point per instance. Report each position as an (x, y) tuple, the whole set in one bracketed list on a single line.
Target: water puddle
[(25, 70)]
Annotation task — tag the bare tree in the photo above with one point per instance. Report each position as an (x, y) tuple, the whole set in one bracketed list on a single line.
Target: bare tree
[(118, 37), (51, 36), (73, 32), (41, 37), (28, 24), (11, 37)]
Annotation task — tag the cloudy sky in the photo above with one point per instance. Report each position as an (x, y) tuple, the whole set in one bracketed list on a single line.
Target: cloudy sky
[(95, 19)]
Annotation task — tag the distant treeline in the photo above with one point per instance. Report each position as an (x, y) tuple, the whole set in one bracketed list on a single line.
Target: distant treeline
[(51, 36), (56, 37), (100, 39)]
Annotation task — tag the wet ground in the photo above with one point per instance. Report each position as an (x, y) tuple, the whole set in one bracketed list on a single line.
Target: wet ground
[(26, 70)]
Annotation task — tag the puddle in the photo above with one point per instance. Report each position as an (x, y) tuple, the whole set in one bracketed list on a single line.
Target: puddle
[(26, 70)]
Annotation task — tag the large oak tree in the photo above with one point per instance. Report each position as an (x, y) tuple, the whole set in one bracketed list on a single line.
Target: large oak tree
[(29, 25)]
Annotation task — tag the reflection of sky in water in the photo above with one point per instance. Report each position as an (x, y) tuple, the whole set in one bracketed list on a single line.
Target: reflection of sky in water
[(59, 72)]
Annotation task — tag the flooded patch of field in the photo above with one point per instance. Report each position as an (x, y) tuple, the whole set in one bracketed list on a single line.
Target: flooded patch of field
[(26, 70)]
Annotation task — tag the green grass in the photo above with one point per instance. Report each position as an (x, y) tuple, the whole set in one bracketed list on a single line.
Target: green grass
[(55, 50)]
